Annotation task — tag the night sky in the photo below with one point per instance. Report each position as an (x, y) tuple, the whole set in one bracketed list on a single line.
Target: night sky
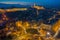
[(55, 2), (46, 3)]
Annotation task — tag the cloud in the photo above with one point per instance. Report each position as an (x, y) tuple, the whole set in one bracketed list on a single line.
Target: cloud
[(21, 3)]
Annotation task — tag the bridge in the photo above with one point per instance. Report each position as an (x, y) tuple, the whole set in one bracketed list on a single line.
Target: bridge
[(12, 10)]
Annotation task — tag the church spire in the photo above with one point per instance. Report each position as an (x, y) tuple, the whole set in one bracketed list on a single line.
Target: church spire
[(34, 4)]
